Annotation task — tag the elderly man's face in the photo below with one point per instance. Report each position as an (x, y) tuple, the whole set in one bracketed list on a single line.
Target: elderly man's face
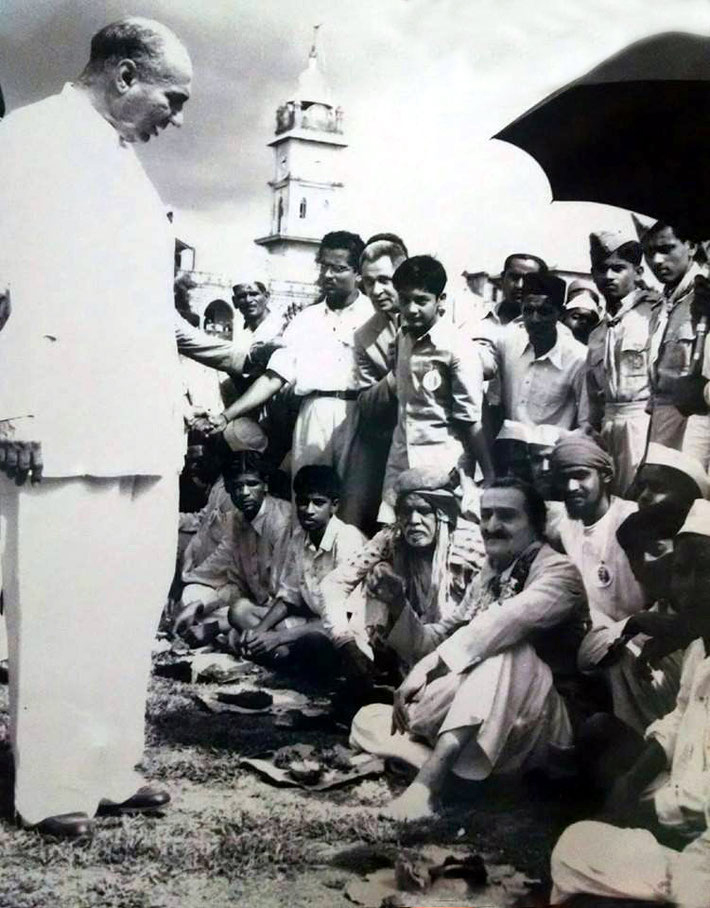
[(377, 283), (250, 300), (505, 526), (417, 521), (154, 101), (690, 581)]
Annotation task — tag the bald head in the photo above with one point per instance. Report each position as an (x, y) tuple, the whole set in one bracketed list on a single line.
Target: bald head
[(138, 77)]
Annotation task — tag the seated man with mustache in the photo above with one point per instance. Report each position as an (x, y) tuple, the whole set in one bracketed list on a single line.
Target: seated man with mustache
[(485, 698)]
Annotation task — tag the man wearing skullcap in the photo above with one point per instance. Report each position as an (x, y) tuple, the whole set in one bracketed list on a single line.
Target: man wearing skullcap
[(661, 793), (248, 562), (583, 310), (618, 387), (540, 364)]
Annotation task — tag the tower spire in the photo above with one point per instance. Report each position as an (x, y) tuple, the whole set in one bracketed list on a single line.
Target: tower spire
[(314, 46)]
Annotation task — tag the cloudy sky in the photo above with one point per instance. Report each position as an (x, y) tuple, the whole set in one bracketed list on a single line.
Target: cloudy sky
[(424, 84)]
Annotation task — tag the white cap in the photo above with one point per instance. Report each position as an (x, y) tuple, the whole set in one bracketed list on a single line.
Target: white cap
[(546, 435), (511, 430), (698, 519), (662, 456)]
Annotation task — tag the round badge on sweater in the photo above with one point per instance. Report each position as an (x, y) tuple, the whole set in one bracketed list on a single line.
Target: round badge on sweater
[(432, 380), (603, 575)]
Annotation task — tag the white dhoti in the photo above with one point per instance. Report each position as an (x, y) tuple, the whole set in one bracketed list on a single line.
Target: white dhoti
[(604, 860), (86, 563), (625, 432), (323, 433), (508, 701)]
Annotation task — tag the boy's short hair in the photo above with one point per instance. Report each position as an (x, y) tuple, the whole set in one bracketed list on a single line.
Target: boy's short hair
[(420, 272), (317, 478), (239, 462), (343, 239), (537, 283)]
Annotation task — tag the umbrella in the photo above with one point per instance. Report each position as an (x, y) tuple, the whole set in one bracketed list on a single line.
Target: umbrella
[(634, 132)]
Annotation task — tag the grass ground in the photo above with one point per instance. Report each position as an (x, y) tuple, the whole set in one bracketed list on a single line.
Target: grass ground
[(231, 838)]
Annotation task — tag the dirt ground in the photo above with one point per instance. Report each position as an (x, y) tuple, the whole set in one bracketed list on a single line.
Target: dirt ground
[(231, 838)]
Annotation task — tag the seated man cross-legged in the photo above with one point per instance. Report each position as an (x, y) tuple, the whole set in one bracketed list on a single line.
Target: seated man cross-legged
[(247, 564), (484, 698)]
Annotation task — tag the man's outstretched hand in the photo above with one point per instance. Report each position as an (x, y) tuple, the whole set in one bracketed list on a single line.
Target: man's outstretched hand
[(20, 459)]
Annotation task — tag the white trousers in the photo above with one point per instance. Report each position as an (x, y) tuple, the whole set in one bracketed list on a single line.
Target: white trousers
[(323, 433), (604, 860), (86, 563)]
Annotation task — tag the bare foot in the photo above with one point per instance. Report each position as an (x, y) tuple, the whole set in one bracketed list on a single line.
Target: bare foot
[(415, 803)]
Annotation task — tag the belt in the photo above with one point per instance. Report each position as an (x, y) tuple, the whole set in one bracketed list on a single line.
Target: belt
[(338, 395)]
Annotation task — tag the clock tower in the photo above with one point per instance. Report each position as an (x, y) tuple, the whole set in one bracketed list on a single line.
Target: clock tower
[(307, 185)]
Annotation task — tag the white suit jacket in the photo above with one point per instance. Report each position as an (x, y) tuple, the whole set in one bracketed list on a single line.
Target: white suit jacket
[(89, 350)]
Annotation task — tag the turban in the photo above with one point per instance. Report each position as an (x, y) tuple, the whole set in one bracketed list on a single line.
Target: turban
[(698, 519), (578, 450), (660, 455), (433, 486)]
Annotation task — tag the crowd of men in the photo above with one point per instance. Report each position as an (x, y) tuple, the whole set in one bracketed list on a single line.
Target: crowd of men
[(501, 516), (488, 515)]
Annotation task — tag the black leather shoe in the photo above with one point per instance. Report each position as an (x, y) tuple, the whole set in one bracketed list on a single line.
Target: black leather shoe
[(66, 826), (145, 800)]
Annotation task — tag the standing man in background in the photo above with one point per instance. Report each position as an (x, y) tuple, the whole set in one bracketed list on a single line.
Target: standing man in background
[(89, 405)]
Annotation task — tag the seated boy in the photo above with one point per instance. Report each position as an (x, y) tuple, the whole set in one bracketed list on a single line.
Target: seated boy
[(438, 382), (290, 628)]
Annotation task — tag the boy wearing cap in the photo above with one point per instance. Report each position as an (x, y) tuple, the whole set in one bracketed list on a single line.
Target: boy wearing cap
[(583, 310), (248, 562), (618, 385), (438, 383), (540, 364), (661, 793)]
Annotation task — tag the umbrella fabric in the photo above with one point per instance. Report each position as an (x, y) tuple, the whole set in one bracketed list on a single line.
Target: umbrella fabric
[(634, 132)]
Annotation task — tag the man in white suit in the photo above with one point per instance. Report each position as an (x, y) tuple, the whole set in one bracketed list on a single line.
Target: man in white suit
[(89, 405)]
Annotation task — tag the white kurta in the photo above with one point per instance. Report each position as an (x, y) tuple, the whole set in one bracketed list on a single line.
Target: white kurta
[(89, 354), (604, 860)]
